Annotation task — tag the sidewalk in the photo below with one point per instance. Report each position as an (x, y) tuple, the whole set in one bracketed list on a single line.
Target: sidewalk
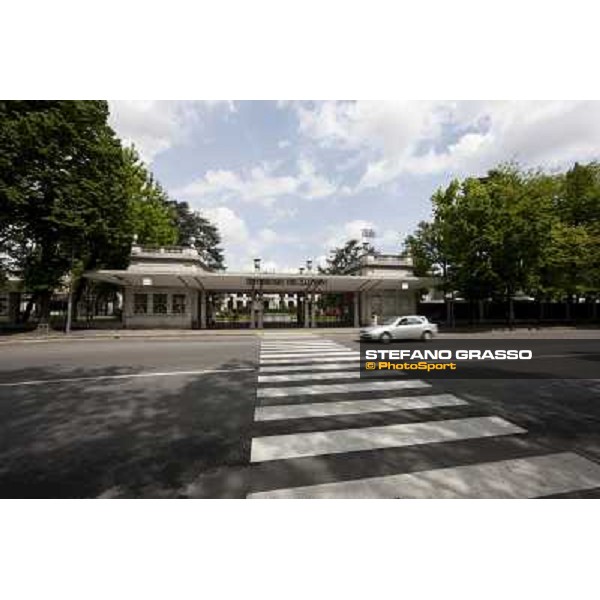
[(190, 334), (105, 334)]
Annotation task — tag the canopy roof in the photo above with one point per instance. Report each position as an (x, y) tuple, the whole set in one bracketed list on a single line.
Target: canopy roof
[(247, 282)]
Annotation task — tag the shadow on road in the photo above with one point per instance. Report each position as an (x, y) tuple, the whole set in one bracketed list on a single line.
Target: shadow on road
[(139, 437)]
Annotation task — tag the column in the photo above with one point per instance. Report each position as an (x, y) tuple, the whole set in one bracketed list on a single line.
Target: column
[(192, 303), (306, 316), (202, 310), (356, 313), (261, 308), (313, 307), (252, 310)]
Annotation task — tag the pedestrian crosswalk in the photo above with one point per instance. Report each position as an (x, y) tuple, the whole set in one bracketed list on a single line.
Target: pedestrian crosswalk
[(322, 432)]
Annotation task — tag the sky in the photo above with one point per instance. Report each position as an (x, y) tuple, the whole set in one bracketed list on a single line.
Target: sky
[(288, 181)]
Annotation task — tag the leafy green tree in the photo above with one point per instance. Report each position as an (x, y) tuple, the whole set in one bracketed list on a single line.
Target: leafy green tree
[(62, 197), (488, 235), (343, 259), (192, 225), (71, 198)]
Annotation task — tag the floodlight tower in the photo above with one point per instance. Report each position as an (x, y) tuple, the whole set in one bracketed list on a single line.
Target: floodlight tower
[(366, 235)]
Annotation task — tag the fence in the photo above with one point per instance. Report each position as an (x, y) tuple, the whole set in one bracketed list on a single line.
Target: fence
[(548, 313)]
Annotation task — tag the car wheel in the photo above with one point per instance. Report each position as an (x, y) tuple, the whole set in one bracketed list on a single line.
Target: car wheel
[(385, 338), (427, 335)]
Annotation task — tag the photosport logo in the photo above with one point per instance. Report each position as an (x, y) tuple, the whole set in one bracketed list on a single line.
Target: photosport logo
[(483, 359)]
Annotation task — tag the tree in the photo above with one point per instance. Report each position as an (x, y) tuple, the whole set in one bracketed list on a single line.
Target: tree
[(192, 225), (151, 216), (345, 258), (61, 190), (489, 235)]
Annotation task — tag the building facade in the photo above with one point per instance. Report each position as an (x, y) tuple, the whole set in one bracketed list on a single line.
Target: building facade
[(170, 287)]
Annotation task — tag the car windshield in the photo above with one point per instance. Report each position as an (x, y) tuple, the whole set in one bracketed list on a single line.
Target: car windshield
[(390, 321)]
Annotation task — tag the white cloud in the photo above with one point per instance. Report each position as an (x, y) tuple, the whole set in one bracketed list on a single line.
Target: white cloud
[(259, 184), (310, 184), (242, 246), (387, 125), (232, 228), (456, 137), (154, 126), (256, 185), (284, 144)]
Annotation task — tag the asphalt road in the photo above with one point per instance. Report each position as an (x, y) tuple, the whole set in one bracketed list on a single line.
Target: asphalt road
[(167, 418)]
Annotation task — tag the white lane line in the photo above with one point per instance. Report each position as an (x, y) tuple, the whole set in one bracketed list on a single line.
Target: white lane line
[(306, 350), (311, 367), (295, 338), (354, 407), (276, 353), (517, 478), (277, 447), (309, 355), (312, 360), (308, 376), (301, 343), (303, 348), (296, 342), (127, 376), (294, 346), (340, 388)]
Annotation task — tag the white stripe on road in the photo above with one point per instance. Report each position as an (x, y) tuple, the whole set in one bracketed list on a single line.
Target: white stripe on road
[(294, 337), (316, 360), (276, 353), (304, 350), (308, 376), (126, 376), (354, 407), (277, 447), (310, 355), (517, 478), (340, 388), (297, 344), (299, 352), (311, 367)]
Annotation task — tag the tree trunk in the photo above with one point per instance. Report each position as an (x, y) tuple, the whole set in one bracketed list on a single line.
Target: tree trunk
[(480, 315), (511, 309)]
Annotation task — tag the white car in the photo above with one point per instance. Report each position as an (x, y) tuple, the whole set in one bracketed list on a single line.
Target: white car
[(400, 328)]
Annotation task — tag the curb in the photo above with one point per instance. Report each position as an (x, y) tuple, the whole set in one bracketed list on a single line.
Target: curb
[(165, 336)]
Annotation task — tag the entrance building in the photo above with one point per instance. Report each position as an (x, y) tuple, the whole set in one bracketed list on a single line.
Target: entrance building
[(170, 287)]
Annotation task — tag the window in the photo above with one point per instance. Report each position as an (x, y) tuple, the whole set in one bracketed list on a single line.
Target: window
[(3, 305), (159, 304), (179, 304), (140, 304)]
